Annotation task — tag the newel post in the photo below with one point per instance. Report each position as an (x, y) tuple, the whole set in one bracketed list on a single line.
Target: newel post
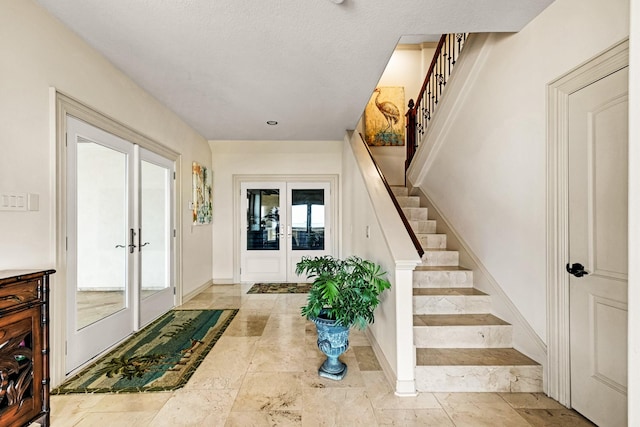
[(411, 134)]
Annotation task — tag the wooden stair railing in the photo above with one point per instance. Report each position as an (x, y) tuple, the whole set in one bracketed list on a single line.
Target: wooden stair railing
[(421, 111), (405, 221)]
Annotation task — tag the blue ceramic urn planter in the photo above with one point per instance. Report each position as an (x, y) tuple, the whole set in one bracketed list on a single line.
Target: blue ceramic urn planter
[(333, 340), (344, 292)]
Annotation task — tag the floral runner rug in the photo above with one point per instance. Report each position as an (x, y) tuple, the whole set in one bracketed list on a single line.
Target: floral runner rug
[(160, 357), (280, 288)]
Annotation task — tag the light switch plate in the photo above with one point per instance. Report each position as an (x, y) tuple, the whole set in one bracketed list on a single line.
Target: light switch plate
[(13, 201)]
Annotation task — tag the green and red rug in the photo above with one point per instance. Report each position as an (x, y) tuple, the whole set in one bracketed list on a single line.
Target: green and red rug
[(160, 357)]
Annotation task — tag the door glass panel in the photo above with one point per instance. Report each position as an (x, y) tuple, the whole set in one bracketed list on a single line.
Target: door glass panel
[(155, 221), (263, 219), (307, 219), (101, 232)]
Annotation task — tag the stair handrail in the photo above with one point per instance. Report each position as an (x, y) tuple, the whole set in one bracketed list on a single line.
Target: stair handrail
[(447, 51), (403, 217)]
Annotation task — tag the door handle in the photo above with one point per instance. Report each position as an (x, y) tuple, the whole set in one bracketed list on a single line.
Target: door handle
[(140, 244), (132, 237), (577, 269)]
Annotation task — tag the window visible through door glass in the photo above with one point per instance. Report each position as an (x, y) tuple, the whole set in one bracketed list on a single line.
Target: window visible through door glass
[(263, 219), (307, 219)]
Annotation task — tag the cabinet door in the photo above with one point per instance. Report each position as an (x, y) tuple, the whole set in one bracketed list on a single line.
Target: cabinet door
[(20, 367)]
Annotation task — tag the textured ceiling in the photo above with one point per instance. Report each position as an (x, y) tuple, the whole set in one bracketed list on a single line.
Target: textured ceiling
[(226, 67)]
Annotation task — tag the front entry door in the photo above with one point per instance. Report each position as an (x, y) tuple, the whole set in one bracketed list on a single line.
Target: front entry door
[(598, 140), (263, 232), (282, 222)]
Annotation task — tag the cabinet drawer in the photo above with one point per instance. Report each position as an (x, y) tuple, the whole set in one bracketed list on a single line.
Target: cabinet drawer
[(19, 293)]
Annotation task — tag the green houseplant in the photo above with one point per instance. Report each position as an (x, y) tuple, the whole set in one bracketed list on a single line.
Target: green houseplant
[(344, 293)]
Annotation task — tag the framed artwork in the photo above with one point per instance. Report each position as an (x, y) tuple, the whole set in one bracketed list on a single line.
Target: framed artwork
[(384, 121), (202, 189)]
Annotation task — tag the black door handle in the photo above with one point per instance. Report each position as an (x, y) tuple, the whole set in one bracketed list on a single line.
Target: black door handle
[(577, 269)]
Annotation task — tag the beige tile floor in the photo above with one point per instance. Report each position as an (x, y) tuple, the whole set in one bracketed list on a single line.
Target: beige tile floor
[(263, 372)]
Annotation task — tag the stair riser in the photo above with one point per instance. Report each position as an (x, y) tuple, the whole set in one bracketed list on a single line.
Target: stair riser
[(433, 241), (451, 304), (418, 227), (416, 214), (408, 201), (440, 258), (499, 379), (443, 279), (482, 336), (400, 191)]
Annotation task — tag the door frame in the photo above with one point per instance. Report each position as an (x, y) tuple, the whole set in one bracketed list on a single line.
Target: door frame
[(558, 374), (61, 106), (237, 209)]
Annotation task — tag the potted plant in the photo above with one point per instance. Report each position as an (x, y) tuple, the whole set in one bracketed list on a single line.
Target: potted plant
[(344, 293)]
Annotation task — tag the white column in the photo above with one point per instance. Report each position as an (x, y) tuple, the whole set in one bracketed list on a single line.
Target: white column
[(406, 353)]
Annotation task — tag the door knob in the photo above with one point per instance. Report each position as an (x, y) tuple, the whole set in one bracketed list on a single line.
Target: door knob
[(577, 269)]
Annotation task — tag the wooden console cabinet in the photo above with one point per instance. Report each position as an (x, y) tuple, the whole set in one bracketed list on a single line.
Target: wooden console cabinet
[(24, 347)]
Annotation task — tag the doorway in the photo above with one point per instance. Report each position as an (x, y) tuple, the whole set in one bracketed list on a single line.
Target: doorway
[(598, 159), (280, 222), (120, 247), (587, 231)]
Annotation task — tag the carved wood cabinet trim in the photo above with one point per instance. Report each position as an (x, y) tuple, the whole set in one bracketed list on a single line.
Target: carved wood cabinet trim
[(24, 347)]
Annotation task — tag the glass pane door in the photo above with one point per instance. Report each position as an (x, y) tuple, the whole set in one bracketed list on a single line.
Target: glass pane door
[(155, 236), (262, 239), (99, 237), (120, 221), (310, 225), (307, 219), (282, 222), (101, 288)]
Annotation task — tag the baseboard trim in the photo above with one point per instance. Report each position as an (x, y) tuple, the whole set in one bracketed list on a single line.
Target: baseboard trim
[(221, 281), (402, 388), (196, 291)]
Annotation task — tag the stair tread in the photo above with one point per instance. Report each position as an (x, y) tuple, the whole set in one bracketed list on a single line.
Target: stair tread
[(447, 292), (457, 320), (439, 267), (472, 357)]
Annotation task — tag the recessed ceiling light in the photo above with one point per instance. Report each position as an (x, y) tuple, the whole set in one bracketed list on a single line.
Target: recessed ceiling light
[(272, 122)]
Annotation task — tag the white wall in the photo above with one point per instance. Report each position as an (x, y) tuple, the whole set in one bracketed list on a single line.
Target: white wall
[(258, 158), (488, 177), (366, 207), (405, 69), (39, 53), (357, 216)]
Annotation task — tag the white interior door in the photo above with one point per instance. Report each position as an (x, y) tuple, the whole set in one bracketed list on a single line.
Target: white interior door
[(282, 222), (598, 141), (120, 257)]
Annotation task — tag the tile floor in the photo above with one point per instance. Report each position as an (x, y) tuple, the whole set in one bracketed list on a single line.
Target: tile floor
[(263, 372)]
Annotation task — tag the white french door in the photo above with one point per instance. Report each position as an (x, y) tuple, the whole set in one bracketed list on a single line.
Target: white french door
[(155, 236), (119, 242), (280, 223)]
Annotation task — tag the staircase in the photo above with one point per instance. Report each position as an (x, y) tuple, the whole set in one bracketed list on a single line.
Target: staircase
[(460, 345)]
